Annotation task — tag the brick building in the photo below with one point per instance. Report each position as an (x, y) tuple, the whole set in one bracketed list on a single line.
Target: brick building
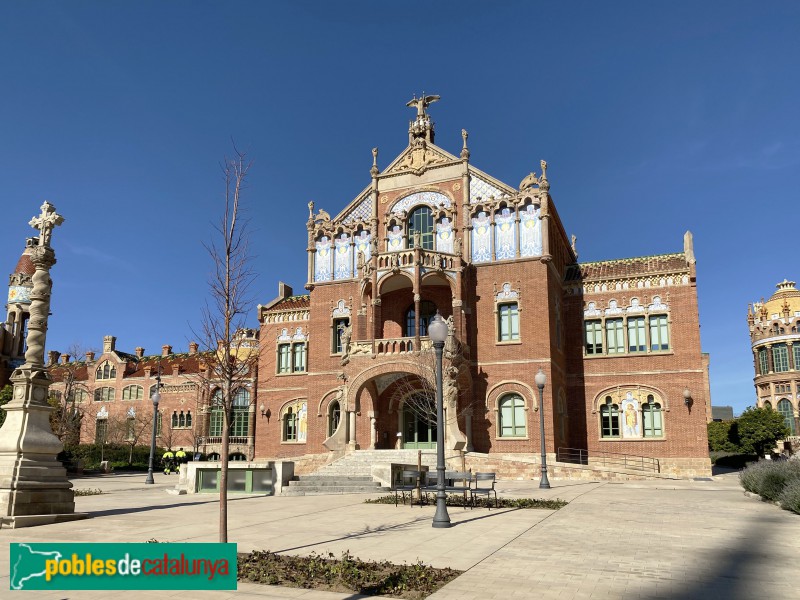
[(775, 340), (113, 390), (347, 365)]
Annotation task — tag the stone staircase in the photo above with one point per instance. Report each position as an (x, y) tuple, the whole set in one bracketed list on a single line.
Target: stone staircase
[(352, 474)]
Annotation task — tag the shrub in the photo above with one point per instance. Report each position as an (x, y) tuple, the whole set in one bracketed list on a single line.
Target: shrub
[(790, 498), (768, 479)]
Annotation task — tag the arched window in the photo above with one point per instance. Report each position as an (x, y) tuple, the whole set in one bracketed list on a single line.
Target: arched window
[(653, 423), (767, 404), (290, 426), (133, 392), (214, 456), (236, 456), (511, 414), (334, 416), (609, 419), (241, 413), (420, 228), (428, 310), (174, 419), (106, 371), (181, 420), (785, 409), (189, 419)]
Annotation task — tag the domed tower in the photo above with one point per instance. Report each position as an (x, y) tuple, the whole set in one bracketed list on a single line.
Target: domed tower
[(12, 336), (775, 338)]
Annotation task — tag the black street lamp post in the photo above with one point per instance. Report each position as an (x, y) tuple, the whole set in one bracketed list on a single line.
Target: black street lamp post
[(540, 380), (156, 397), (437, 330)]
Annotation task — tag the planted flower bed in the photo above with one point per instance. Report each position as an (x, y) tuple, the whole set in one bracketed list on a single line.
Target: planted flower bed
[(345, 574), (455, 500)]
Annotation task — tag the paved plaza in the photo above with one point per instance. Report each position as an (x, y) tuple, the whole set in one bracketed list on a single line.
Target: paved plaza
[(652, 539)]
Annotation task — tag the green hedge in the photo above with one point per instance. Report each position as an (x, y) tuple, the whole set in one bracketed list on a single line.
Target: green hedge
[(116, 454)]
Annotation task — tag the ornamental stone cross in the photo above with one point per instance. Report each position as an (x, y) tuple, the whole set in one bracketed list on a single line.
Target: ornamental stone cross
[(45, 223)]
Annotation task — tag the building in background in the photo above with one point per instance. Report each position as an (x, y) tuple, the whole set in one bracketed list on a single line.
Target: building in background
[(14, 330), (775, 340), (344, 367), (113, 392)]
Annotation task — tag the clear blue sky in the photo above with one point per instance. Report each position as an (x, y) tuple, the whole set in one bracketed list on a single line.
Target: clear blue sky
[(654, 118)]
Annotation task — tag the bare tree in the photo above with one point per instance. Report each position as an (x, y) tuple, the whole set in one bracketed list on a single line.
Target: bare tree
[(136, 429), (419, 391), (69, 399), (230, 359)]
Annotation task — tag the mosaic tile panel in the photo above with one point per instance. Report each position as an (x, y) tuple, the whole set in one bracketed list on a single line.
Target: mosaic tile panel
[(363, 210), (505, 235), (322, 260), (478, 188)]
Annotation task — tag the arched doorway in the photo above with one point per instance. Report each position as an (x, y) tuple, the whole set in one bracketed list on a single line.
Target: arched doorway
[(419, 428)]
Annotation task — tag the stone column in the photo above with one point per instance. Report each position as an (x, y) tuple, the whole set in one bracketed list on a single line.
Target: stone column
[(468, 428), (372, 419), (351, 431), (34, 489)]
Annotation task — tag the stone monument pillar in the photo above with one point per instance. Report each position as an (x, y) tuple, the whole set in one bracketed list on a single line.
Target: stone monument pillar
[(34, 489)]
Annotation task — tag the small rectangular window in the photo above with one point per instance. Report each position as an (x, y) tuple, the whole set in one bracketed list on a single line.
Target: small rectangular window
[(594, 337), (659, 333), (284, 359), (299, 358), (508, 324), (636, 341), (615, 339), (339, 326)]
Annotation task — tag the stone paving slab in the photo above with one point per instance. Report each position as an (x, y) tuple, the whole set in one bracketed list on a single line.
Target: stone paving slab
[(659, 539)]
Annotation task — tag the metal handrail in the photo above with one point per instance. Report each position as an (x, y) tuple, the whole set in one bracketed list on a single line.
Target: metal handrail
[(633, 462)]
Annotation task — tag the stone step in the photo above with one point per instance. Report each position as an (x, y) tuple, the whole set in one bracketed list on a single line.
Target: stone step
[(333, 482), (323, 478), (293, 491)]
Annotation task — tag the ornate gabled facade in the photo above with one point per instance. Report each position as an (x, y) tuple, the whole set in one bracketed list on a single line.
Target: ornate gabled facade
[(343, 367), (775, 341)]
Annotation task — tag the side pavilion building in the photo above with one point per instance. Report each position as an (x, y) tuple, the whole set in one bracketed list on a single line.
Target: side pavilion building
[(347, 366)]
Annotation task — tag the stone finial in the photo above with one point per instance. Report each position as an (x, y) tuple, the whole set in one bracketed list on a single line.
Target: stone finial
[(464, 150), (90, 356), (109, 344), (139, 351), (544, 184), (374, 171), (46, 222), (65, 358), (166, 350), (311, 210), (52, 357), (193, 347)]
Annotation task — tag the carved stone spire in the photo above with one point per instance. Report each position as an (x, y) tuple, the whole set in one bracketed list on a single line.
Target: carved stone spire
[(422, 126), (464, 150)]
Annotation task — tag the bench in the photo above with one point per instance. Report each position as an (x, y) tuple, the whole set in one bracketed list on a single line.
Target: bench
[(484, 486), (455, 482), (408, 481)]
